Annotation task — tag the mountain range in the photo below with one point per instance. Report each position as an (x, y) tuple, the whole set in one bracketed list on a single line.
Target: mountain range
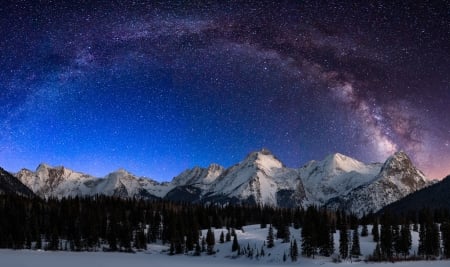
[(338, 182)]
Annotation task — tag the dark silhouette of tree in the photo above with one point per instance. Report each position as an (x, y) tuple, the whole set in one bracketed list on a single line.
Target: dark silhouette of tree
[(228, 236), (404, 242), (235, 245), (310, 232), (355, 251), (210, 241), (270, 238), (386, 242), (198, 249), (364, 230), (221, 238), (445, 232), (375, 232), (343, 242), (294, 250)]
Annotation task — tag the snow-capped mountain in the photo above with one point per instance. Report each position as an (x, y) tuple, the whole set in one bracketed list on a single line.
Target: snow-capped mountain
[(192, 183), (259, 179), (397, 178), (338, 182), (47, 181), (11, 185), (335, 175), (124, 184)]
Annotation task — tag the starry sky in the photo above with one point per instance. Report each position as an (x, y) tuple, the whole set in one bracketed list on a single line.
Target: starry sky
[(158, 87)]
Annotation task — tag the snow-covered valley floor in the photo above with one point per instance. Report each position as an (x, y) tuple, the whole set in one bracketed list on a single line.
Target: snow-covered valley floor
[(155, 255)]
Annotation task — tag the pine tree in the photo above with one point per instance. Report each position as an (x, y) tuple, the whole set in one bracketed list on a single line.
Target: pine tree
[(364, 231), (197, 249), (294, 251), (270, 238), (445, 232), (396, 238), (203, 244), (210, 241), (356, 249), (433, 240), (233, 232), (331, 245), (310, 232), (404, 241), (286, 234), (386, 241), (377, 253), (422, 240), (228, 236), (375, 232), (222, 238), (343, 242), (325, 238), (429, 239), (235, 245)]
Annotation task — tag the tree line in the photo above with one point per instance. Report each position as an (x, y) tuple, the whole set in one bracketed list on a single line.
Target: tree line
[(116, 224)]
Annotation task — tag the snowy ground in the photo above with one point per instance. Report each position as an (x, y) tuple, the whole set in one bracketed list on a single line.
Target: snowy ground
[(252, 235)]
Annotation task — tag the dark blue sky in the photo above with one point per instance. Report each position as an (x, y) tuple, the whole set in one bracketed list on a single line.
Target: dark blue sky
[(158, 88)]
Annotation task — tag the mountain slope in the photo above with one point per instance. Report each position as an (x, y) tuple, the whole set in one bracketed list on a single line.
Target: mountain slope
[(397, 178), (11, 185), (436, 196), (190, 185)]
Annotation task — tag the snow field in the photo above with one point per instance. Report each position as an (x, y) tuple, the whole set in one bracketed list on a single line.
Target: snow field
[(156, 255)]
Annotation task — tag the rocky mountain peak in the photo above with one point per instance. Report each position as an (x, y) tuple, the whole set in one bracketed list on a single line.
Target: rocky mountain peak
[(215, 167), (42, 166), (400, 160), (399, 168)]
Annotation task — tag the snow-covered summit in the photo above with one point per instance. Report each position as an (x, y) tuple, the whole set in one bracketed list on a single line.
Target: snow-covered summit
[(397, 178), (260, 178), (335, 175)]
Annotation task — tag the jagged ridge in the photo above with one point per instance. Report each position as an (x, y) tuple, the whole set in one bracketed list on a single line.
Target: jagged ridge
[(338, 182)]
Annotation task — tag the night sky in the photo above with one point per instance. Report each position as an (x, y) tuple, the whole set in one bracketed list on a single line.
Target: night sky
[(156, 88)]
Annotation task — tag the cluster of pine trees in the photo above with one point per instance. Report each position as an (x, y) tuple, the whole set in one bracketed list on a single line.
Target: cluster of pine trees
[(392, 233), (115, 224)]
